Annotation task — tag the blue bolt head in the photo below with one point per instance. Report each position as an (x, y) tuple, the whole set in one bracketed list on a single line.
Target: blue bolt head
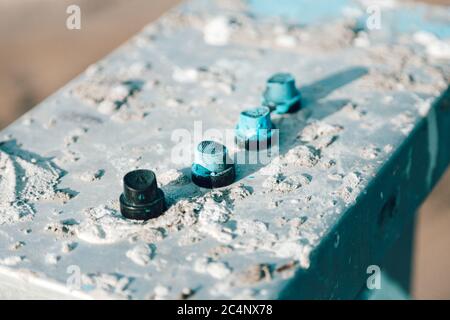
[(281, 93), (254, 130), (213, 168)]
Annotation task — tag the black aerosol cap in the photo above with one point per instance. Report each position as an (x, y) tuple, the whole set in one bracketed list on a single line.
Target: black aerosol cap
[(141, 198)]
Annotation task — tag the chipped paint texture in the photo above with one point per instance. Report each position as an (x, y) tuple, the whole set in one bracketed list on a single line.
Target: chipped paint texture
[(62, 165)]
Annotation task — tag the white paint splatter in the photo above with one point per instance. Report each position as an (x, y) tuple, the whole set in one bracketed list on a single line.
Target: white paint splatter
[(140, 254), (435, 47), (217, 31), (24, 180)]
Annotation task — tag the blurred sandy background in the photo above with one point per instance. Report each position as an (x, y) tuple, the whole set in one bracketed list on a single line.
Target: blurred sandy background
[(38, 55)]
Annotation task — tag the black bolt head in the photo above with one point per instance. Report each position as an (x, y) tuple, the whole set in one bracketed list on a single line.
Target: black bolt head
[(141, 199)]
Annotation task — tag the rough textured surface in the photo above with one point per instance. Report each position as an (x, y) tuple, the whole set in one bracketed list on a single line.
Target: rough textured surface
[(205, 62)]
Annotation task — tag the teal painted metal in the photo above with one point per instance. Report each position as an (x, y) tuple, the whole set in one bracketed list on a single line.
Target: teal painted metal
[(399, 259), (354, 164), (300, 11), (419, 17), (376, 221), (389, 290)]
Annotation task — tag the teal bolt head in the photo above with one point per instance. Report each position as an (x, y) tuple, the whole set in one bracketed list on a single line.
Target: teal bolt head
[(281, 93), (213, 168), (255, 128), (212, 155)]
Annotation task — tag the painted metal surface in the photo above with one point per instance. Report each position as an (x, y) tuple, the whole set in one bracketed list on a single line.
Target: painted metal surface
[(354, 163)]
